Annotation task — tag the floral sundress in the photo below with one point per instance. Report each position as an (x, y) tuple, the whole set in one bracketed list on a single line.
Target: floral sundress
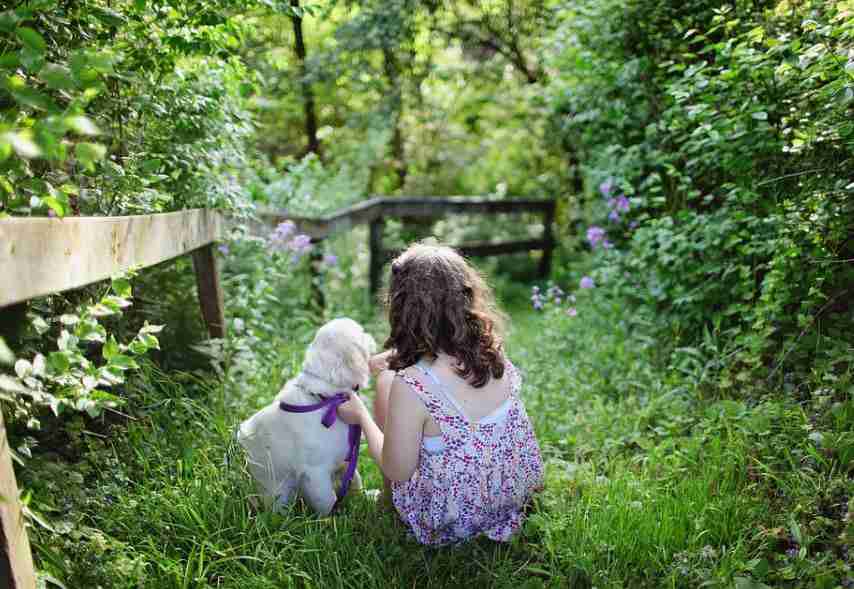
[(483, 477)]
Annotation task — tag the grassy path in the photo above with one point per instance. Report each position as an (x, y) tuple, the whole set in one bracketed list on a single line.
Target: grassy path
[(647, 486)]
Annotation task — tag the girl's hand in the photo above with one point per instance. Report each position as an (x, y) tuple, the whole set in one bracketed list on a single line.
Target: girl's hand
[(353, 411), (379, 362)]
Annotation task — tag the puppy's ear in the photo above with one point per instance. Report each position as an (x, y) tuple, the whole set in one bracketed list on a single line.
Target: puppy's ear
[(369, 343), (357, 355)]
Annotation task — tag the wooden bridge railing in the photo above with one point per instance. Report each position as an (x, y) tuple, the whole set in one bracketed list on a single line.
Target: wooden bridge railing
[(40, 256), (376, 210)]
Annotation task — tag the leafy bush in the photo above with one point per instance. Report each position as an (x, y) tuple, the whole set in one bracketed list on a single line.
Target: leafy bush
[(729, 128)]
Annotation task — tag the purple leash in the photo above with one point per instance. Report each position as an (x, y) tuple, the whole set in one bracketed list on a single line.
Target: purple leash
[(354, 435)]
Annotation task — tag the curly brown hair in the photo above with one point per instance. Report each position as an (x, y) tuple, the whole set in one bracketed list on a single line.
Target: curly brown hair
[(436, 303)]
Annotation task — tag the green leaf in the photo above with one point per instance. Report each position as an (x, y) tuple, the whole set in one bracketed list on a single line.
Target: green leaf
[(39, 324), (31, 39), (116, 303), (69, 319), (101, 310), (66, 341), (12, 385), (110, 349), (150, 341), (31, 59), (58, 204), (89, 153), (83, 125), (150, 166), (121, 286), (6, 355), (109, 17), (59, 362), (8, 20), (22, 144), (27, 96), (57, 77), (91, 331), (9, 61), (760, 116), (123, 362)]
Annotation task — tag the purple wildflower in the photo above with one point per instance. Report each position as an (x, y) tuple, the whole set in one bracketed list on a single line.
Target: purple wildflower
[(587, 282), (299, 245), (300, 242), (572, 312), (223, 249), (280, 235), (285, 228), (607, 244), (622, 203), (633, 224), (606, 187), (614, 216), (595, 235), (537, 298), (330, 259), (792, 552)]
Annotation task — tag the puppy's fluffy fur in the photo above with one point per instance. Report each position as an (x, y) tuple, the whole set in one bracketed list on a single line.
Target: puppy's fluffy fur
[(293, 452)]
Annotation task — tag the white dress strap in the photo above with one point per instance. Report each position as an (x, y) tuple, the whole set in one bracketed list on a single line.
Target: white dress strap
[(442, 389)]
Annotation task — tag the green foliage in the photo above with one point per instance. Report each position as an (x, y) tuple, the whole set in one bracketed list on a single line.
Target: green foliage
[(68, 377), (117, 109), (729, 127)]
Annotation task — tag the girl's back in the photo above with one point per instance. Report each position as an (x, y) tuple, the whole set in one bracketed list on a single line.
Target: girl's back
[(479, 461)]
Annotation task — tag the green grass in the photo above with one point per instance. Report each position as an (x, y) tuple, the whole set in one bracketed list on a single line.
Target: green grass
[(651, 482)]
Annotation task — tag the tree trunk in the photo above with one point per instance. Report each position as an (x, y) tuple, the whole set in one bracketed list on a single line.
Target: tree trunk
[(392, 72), (307, 92)]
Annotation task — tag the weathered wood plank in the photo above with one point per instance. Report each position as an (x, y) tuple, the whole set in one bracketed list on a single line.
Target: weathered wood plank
[(16, 560), (377, 255), (433, 207), (40, 256), (210, 290), (548, 236), (481, 250), (476, 250), (324, 226), (403, 206)]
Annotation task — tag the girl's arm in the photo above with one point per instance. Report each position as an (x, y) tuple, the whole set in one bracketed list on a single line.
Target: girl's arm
[(396, 450)]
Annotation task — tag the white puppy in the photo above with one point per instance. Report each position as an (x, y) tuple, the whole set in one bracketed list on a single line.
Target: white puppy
[(290, 452)]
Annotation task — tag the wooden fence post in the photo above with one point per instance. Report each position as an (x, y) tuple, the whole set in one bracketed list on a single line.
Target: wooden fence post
[(16, 560), (210, 290), (316, 276), (548, 238), (375, 241)]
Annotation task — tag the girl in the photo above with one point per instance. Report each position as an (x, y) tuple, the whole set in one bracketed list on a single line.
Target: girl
[(453, 435)]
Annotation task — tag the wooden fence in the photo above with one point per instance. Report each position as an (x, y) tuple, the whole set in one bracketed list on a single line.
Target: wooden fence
[(40, 256), (376, 210)]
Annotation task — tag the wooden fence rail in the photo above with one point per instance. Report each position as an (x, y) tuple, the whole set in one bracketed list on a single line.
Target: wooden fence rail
[(375, 210), (41, 256)]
